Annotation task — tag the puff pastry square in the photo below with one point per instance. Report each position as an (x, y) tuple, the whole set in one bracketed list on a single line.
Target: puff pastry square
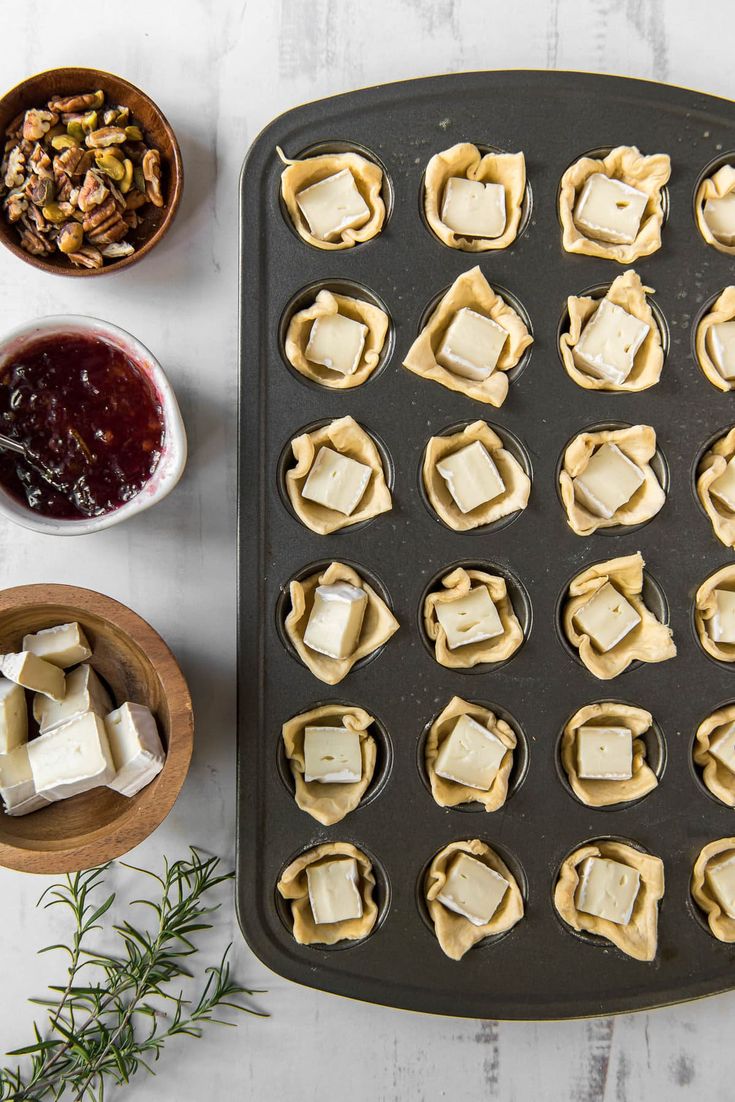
[(716, 186), (723, 309), (721, 925)]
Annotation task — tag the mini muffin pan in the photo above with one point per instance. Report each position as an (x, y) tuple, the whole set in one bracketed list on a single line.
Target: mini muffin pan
[(541, 968)]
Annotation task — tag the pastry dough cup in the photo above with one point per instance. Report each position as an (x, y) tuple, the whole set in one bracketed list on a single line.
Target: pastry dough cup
[(458, 583), (345, 436), (649, 641), (604, 793), (455, 933), (722, 309), (638, 443), (329, 803), (704, 609), (626, 163), (472, 290), (293, 886), (721, 925), (377, 627), (627, 292), (368, 177), (711, 466), (716, 186), (466, 161), (517, 483), (325, 304), (639, 937), (450, 793), (716, 777)]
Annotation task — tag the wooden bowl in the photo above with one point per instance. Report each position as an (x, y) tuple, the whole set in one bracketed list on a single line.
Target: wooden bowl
[(96, 826), (35, 92)]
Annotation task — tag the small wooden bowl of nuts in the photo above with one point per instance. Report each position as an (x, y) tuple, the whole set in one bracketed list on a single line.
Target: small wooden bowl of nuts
[(91, 173)]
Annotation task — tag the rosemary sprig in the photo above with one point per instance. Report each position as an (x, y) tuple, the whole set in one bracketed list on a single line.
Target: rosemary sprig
[(115, 1012)]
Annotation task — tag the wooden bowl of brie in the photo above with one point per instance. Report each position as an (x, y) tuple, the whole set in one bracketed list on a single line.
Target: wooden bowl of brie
[(131, 661)]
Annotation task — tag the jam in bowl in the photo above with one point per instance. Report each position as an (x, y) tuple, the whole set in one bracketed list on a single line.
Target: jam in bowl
[(97, 419)]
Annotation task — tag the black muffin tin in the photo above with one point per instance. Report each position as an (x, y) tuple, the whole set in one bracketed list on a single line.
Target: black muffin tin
[(541, 968)]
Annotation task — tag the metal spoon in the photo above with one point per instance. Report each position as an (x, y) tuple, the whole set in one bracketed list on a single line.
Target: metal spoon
[(8, 444)]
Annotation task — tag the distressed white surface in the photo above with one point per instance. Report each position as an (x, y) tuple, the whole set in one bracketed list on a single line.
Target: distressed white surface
[(221, 70)]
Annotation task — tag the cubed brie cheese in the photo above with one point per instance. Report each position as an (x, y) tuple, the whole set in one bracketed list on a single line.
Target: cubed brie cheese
[(333, 205), (334, 892), (720, 877), (722, 348), (609, 342), (471, 476), (472, 208), (72, 758), (471, 755), (606, 618), (472, 889), (722, 745), (607, 889), (723, 487), (609, 210), (135, 746), (608, 481), (719, 214), (336, 481), (472, 345), (336, 619), (336, 342), (63, 645), (722, 623), (34, 673), (332, 755), (469, 619), (13, 716), (84, 693), (17, 788), (605, 753)]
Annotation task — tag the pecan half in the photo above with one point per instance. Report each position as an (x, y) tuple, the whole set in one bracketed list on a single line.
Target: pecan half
[(99, 214), (41, 162), (88, 257), (152, 174), (106, 135), (34, 243), (37, 123), (15, 205), (92, 192), (82, 101)]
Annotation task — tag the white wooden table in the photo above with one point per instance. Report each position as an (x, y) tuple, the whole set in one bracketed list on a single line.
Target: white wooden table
[(221, 69)]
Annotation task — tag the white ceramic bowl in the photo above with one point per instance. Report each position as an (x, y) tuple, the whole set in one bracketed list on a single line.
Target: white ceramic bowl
[(173, 456)]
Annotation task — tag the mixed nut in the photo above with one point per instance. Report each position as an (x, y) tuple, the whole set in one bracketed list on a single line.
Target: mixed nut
[(75, 176)]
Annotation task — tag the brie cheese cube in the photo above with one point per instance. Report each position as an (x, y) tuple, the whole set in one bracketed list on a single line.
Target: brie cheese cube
[(609, 342), (722, 624), (606, 618), (722, 348), (16, 783), (719, 214), (34, 673), (336, 619), (605, 753), (333, 205), (334, 893), (608, 481), (720, 877), (72, 758), (472, 208), (471, 755), (472, 889), (471, 476), (469, 619), (84, 693), (63, 646), (336, 481), (607, 889), (336, 342), (13, 716), (609, 210), (723, 487), (332, 755), (472, 345), (135, 746), (722, 746)]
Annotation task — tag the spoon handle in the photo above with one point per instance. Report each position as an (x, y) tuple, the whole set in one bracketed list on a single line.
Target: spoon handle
[(6, 444)]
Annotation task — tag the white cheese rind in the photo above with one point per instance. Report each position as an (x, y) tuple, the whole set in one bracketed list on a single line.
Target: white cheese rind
[(469, 619), (471, 476), (609, 209), (471, 345), (13, 716), (336, 481), (722, 348), (34, 673), (337, 343), (607, 889), (473, 208), (332, 755), (720, 877), (72, 758), (719, 214), (606, 618), (723, 487), (470, 755), (334, 893), (608, 481), (64, 645), (722, 623), (472, 889), (604, 753), (336, 619), (333, 205), (722, 745), (136, 748), (17, 787), (84, 693), (609, 342)]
